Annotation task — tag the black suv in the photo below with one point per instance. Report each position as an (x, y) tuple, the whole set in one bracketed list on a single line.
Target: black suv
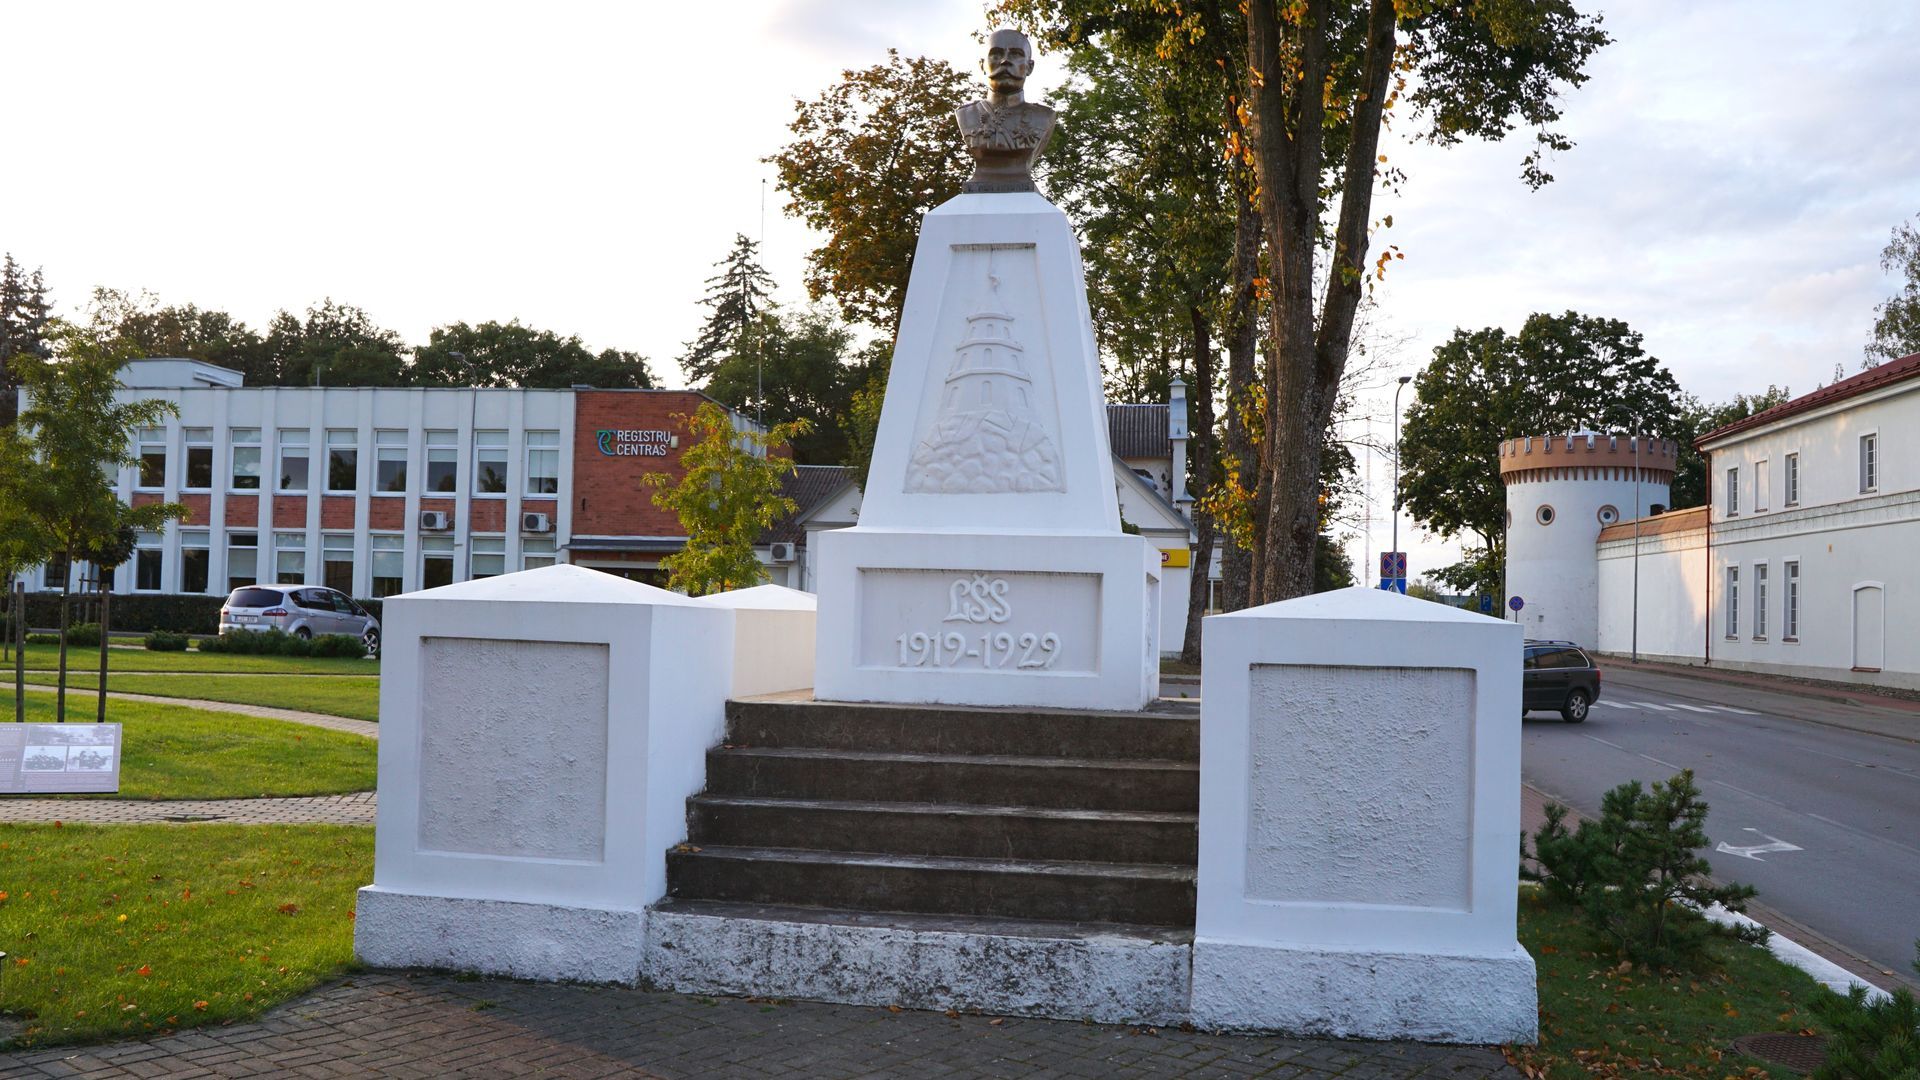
[(1558, 676)]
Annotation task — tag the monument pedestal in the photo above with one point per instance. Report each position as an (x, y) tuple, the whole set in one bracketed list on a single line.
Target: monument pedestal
[(989, 566), (1055, 620)]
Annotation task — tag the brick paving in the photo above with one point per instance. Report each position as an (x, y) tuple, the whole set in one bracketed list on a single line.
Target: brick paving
[(356, 808), (413, 1024)]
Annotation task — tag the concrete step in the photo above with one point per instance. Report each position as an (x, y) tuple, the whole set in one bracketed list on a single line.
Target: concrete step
[(903, 828), (976, 779), (1139, 893), (1170, 732)]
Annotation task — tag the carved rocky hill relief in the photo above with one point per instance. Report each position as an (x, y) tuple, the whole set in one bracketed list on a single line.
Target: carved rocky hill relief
[(996, 428)]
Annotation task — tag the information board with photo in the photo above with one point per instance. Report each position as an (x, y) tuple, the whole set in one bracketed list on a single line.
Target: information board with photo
[(59, 759)]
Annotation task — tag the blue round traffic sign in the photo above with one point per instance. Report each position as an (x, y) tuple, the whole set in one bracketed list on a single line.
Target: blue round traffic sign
[(1516, 603)]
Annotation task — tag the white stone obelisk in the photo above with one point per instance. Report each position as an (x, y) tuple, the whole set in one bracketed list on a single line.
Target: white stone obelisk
[(989, 567)]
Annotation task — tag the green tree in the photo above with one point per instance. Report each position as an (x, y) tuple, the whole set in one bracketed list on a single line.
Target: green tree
[(1896, 326), (154, 329), (800, 360), (509, 354), (1324, 76), (870, 156), (76, 434), (334, 344), (728, 494), (24, 313), (1559, 374), (737, 299), (1698, 418)]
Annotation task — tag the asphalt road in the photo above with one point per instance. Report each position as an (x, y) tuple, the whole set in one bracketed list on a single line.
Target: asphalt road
[(1824, 821)]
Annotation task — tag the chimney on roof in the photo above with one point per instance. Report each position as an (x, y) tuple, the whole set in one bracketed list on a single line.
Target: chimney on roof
[(1177, 434)]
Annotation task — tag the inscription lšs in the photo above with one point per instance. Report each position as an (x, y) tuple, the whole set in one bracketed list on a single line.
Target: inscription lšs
[(979, 604)]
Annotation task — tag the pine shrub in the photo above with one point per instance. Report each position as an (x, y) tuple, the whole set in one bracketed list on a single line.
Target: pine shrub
[(164, 641), (1638, 873), (1877, 1040)]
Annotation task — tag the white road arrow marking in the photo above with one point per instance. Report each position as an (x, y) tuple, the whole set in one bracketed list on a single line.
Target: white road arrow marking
[(1754, 851)]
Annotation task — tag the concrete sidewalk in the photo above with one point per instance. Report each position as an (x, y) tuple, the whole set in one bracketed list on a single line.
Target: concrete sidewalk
[(412, 1024)]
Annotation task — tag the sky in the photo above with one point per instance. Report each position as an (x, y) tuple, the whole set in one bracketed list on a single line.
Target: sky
[(579, 166)]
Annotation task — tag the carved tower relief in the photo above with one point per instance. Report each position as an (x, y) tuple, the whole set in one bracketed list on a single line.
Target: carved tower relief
[(989, 436)]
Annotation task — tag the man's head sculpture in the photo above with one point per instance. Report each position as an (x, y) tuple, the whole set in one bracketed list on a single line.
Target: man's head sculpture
[(1004, 132)]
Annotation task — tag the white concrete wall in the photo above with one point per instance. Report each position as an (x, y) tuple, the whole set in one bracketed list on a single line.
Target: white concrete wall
[(541, 734), (1360, 822), (1672, 596), (773, 638)]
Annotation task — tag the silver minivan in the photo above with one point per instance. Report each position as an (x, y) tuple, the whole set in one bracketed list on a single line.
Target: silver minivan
[(300, 610)]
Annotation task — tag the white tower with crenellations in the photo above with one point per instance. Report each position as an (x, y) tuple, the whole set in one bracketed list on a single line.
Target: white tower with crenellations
[(1561, 491)]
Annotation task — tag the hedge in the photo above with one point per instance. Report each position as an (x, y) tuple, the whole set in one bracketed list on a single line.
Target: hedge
[(143, 613)]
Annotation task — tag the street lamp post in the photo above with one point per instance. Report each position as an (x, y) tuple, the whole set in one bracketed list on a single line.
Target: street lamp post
[(1404, 380), (1637, 436), (463, 549)]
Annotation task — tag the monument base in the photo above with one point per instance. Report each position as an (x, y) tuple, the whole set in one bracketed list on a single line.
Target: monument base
[(1361, 994), (1050, 620), (497, 937), (1053, 970)]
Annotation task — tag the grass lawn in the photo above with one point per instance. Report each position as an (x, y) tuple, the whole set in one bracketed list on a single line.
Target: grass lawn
[(1597, 1019), (355, 696), (171, 752), (47, 658), (128, 930)]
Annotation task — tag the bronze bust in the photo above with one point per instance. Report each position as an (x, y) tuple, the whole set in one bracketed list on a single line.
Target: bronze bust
[(1005, 132)]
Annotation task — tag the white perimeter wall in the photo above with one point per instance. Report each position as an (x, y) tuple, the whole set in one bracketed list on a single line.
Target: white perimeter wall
[(1673, 577)]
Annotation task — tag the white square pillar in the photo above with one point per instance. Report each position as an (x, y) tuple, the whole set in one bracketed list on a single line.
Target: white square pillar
[(540, 734), (1360, 822), (773, 638)]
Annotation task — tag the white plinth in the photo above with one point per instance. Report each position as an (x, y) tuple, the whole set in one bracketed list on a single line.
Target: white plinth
[(989, 567), (1360, 822), (773, 636), (1051, 620), (540, 734)]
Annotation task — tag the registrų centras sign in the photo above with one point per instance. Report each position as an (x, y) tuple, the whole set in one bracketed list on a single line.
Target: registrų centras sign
[(629, 442)]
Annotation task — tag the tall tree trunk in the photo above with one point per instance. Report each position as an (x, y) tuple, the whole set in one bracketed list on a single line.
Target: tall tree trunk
[(1308, 354), (1243, 335), (1201, 458), (106, 616), (60, 690)]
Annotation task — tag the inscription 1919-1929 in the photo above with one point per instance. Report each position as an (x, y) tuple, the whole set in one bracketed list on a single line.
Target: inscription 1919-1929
[(984, 602), (966, 620)]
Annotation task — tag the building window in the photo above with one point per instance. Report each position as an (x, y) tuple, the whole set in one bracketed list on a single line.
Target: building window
[(199, 459), (1760, 601), (490, 462), (443, 461), (54, 574), (390, 462), (290, 558), (388, 552), (543, 462), (336, 562), (1544, 515), (147, 558), (1791, 621), (1869, 462), (343, 461), (193, 560), (293, 459), (243, 560), (1761, 475), (436, 561), (246, 459), (1608, 514), (1793, 479), (1733, 492), (1733, 601), (153, 459), (535, 552), (489, 556)]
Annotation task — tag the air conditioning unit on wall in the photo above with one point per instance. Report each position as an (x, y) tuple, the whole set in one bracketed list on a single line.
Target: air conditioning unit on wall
[(782, 553), (536, 523), (434, 521)]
